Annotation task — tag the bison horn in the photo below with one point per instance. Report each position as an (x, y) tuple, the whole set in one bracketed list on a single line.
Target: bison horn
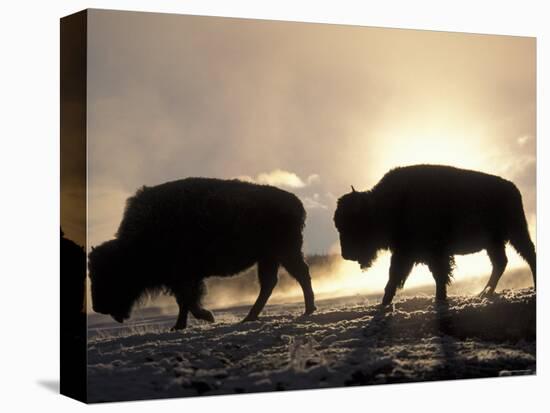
[(353, 189)]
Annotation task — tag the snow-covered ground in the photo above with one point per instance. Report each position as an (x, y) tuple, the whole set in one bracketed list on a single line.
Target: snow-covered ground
[(348, 341)]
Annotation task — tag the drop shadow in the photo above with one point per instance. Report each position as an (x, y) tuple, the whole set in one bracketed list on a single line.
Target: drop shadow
[(51, 385)]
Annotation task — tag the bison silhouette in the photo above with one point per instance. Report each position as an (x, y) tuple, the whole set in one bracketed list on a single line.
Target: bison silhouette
[(429, 213), (174, 235)]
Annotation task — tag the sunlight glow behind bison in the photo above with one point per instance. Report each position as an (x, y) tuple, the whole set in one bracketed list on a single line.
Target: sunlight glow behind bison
[(347, 278)]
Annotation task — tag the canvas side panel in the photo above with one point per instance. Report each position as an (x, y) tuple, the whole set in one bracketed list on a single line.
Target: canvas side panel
[(73, 63)]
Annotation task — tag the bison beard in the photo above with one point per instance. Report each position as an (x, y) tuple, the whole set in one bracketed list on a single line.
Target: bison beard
[(174, 235), (429, 213)]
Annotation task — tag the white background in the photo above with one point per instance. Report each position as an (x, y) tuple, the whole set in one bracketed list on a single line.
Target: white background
[(29, 204)]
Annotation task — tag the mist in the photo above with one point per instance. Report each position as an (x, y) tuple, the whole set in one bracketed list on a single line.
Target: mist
[(333, 277)]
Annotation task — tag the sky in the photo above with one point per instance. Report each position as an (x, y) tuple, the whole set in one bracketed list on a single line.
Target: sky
[(311, 108)]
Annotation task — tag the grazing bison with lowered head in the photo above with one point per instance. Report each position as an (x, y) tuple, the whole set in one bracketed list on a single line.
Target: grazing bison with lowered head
[(429, 213), (176, 234)]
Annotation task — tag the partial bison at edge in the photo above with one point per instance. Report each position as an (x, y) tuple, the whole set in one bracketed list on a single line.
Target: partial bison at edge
[(176, 234), (429, 213)]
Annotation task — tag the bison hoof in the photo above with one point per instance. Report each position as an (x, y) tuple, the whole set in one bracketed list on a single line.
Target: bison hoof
[(310, 311), (386, 307), (441, 305), (487, 292), (205, 315), (249, 318), (177, 328)]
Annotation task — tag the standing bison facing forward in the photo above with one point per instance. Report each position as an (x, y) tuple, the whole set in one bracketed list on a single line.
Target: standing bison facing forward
[(427, 214), (174, 235)]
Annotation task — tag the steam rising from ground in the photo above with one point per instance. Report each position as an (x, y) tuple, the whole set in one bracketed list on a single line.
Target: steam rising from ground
[(334, 277)]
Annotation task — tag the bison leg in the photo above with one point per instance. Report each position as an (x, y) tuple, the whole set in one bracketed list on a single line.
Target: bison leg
[(202, 313), (188, 297), (400, 268), (197, 290), (441, 268), (298, 269), (524, 246), (497, 255), (267, 274), (181, 321), (520, 238)]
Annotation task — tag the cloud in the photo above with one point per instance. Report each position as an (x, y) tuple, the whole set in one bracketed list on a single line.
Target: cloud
[(313, 179), (522, 140), (282, 178), (312, 202), (278, 177)]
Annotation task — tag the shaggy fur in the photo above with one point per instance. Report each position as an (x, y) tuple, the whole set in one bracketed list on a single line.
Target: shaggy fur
[(174, 235), (73, 281), (72, 316), (427, 214)]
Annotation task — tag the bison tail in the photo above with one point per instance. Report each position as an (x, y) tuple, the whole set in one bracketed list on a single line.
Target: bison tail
[(520, 238)]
